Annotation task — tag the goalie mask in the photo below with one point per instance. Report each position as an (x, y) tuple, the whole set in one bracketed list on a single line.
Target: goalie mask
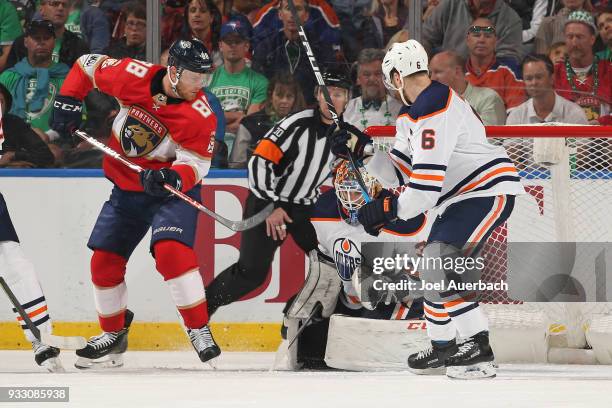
[(405, 58), (348, 192)]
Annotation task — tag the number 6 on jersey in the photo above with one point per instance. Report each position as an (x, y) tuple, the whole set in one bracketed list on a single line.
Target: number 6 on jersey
[(428, 139)]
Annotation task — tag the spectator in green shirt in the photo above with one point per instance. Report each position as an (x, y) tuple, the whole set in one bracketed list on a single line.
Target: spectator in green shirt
[(240, 89), (68, 46), (10, 29), (35, 80)]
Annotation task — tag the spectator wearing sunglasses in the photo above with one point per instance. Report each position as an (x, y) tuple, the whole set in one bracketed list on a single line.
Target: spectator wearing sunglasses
[(486, 69), (68, 46), (445, 27)]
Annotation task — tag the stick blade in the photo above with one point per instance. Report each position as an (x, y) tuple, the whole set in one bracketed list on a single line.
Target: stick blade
[(253, 221), (63, 342)]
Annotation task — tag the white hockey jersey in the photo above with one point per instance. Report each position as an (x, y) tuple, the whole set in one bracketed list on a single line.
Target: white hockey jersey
[(442, 151), (342, 241)]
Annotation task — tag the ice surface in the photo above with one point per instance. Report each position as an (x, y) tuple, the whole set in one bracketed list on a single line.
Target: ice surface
[(179, 380)]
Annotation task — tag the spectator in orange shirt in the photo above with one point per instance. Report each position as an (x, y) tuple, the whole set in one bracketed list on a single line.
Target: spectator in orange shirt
[(486, 70)]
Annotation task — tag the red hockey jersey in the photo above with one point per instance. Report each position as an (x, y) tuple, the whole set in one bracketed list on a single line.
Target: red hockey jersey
[(147, 130), (595, 102)]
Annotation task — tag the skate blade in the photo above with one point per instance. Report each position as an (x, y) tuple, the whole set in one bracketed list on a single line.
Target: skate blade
[(428, 371), (53, 365), (473, 372), (110, 361), (212, 363)]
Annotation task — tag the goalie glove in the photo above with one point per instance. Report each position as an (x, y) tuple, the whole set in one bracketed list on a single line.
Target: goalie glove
[(378, 213), (349, 139)]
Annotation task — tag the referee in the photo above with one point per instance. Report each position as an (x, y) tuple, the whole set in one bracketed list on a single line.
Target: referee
[(287, 167)]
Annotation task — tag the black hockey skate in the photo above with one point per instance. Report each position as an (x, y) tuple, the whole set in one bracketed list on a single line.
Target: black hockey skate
[(203, 343), (473, 360), (105, 350), (431, 361), (47, 357)]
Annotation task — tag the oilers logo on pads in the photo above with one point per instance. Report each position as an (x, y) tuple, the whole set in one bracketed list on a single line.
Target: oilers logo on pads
[(141, 133), (347, 257)]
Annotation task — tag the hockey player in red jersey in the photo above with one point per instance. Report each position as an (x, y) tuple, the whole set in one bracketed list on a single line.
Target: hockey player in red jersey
[(166, 126)]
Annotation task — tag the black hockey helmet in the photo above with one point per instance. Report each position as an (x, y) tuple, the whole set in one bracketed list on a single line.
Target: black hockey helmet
[(191, 55), (337, 77)]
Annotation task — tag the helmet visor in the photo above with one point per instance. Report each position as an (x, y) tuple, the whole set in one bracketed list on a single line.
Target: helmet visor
[(191, 78)]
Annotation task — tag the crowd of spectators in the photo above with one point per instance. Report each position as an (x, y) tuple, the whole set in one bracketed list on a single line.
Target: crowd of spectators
[(515, 61)]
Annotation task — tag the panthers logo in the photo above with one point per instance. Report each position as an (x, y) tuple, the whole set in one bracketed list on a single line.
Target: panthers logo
[(141, 133), (139, 139), (347, 257)]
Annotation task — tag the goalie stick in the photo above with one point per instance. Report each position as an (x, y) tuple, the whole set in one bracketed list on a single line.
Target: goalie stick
[(61, 342), (285, 358), (241, 225), (315, 310), (321, 83)]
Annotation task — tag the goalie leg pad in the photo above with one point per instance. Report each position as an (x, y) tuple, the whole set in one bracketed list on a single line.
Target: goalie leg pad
[(353, 343), (322, 285)]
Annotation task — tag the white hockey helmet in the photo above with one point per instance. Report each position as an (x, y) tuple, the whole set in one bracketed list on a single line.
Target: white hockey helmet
[(406, 58)]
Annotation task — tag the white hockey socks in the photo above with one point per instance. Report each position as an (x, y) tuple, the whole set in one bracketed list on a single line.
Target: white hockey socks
[(20, 276)]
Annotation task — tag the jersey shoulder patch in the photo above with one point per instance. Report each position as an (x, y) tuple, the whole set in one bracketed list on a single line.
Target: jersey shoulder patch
[(407, 227), (433, 100), (326, 207)]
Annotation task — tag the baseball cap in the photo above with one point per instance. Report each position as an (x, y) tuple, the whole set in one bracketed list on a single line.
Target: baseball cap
[(584, 17), (37, 26), (235, 27)]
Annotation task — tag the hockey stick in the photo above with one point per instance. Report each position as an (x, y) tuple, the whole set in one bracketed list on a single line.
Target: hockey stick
[(282, 357), (316, 309), (61, 342), (321, 83), (233, 225)]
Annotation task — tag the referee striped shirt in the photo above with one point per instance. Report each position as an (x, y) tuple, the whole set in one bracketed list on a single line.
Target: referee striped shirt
[(292, 160)]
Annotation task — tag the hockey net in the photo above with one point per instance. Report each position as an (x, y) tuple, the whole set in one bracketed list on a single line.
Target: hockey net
[(567, 173)]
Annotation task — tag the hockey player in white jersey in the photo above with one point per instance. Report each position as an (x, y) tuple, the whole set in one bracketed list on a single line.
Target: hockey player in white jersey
[(339, 257), (441, 147), (19, 274)]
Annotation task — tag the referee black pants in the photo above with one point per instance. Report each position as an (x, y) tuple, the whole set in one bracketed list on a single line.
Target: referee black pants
[(256, 254)]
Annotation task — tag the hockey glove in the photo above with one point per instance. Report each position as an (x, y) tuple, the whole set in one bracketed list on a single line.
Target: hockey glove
[(379, 212), (66, 115), (348, 138), (153, 181)]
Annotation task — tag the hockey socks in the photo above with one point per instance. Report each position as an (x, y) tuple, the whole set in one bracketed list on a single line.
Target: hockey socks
[(110, 291), (19, 274), (178, 265)]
